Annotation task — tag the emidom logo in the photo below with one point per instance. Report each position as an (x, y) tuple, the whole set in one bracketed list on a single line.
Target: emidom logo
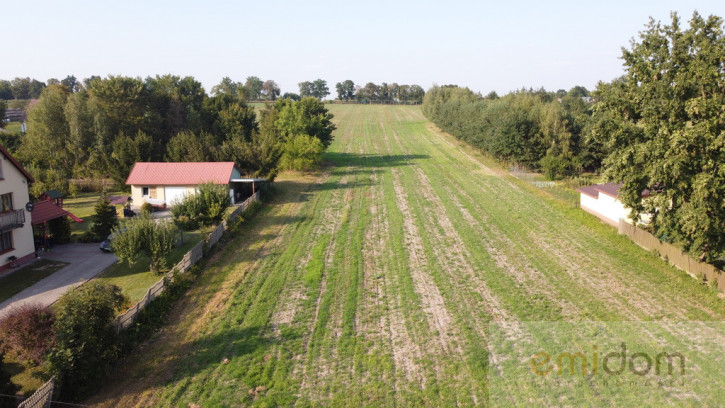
[(614, 362)]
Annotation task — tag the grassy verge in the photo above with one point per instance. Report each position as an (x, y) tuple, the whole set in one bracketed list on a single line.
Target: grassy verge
[(136, 279), (27, 276)]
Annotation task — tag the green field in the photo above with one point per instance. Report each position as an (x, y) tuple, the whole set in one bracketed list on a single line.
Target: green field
[(373, 283)]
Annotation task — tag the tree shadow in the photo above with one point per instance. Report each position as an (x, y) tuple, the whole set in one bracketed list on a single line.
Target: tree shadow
[(337, 159)]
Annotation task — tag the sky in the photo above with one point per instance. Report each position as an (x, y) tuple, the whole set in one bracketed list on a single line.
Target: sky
[(484, 45)]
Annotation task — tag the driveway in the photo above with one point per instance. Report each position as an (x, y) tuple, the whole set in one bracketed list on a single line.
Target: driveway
[(86, 261)]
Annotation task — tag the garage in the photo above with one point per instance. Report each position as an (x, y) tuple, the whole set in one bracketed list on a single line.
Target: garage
[(174, 194)]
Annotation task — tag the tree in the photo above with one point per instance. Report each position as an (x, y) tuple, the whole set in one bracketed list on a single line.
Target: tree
[(145, 236), (6, 90), (320, 89), (126, 152), (72, 83), (307, 88), (253, 87), (20, 88), (270, 90), (226, 86), (291, 95), (47, 142), (669, 133), (85, 337), (105, 219), (190, 147), (302, 153), (308, 117), (345, 90)]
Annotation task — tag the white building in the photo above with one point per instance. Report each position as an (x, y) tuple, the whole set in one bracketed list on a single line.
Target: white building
[(602, 201), (164, 184), (16, 232)]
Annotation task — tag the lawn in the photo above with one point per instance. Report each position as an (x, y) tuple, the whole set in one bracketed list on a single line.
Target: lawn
[(27, 276), (137, 278), (388, 279), (83, 207)]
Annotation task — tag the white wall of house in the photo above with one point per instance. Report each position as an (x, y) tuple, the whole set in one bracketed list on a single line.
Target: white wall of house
[(158, 193), (606, 207), (13, 181)]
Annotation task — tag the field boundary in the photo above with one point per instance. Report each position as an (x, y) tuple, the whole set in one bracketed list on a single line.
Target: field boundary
[(189, 259), (40, 398), (673, 255)]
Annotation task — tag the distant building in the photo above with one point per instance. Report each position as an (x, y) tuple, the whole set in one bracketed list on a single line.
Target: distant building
[(164, 184), (602, 201), (16, 232)]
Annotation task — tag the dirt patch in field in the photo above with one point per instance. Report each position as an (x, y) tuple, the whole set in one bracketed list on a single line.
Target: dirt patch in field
[(433, 303)]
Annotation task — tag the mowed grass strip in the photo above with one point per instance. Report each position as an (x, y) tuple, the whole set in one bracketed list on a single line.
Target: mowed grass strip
[(373, 282)]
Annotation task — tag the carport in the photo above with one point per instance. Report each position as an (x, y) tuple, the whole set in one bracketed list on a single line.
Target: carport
[(244, 188), (42, 213)]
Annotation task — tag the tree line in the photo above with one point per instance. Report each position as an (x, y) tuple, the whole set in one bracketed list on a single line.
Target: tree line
[(659, 130), (548, 131), (383, 93), (102, 128)]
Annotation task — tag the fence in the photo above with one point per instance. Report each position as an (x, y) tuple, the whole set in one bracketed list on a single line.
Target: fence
[(674, 255), (40, 398), (126, 319)]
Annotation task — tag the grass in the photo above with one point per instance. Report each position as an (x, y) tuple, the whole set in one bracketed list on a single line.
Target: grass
[(373, 283), (137, 278), (83, 207), (13, 127), (27, 276)]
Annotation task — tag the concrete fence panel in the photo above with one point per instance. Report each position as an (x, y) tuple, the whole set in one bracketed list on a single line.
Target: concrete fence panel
[(674, 255)]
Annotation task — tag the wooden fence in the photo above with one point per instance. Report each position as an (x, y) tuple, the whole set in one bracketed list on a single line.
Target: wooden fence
[(674, 255), (40, 398), (126, 319)]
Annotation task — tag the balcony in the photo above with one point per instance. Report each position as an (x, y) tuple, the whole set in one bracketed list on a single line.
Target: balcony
[(11, 220)]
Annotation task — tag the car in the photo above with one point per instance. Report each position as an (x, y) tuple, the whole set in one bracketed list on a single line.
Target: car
[(106, 244)]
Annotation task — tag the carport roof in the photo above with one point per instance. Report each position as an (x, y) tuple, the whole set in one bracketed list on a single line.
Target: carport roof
[(45, 211), (180, 174)]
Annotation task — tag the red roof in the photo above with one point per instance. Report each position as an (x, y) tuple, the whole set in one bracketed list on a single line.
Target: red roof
[(17, 164), (180, 174), (45, 211)]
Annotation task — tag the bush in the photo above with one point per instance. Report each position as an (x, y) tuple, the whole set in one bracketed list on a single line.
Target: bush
[(206, 207), (147, 208), (85, 337), (27, 333), (60, 229)]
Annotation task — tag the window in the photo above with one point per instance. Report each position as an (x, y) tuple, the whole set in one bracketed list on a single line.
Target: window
[(6, 241), (1, 169), (145, 191), (6, 202)]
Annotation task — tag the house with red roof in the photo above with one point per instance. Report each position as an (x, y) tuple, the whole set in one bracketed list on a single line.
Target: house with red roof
[(16, 232), (164, 184), (601, 200)]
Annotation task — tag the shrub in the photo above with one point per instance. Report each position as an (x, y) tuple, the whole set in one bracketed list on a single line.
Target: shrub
[(27, 333), (60, 229), (85, 337), (147, 208), (206, 207), (105, 219)]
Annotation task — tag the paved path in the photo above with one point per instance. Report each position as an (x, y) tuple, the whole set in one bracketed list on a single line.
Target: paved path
[(86, 261)]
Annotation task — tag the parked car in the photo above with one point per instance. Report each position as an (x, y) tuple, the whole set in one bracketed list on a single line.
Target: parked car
[(106, 244)]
